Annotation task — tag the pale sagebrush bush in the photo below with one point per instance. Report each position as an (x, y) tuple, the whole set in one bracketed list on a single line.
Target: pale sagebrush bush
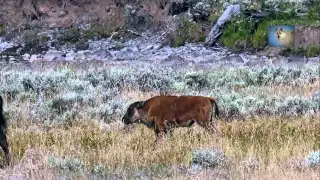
[(152, 79), (67, 101), (208, 158), (9, 85), (272, 4), (95, 92), (163, 78), (242, 77), (111, 110), (72, 164), (316, 97), (313, 159), (153, 171), (45, 81), (297, 106), (145, 79), (111, 78), (99, 169), (242, 104), (78, 86), (67, 117), (294, 3)]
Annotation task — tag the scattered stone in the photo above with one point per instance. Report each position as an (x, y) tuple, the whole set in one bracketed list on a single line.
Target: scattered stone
[(13, 50), (255, 63), (54, 55), (5, 45), (174, 59), (314, 60), (148, 47), (80, 56), (297, 59), (26, 57), (233, 58), (35, 57), (279, 61), (70, 56)]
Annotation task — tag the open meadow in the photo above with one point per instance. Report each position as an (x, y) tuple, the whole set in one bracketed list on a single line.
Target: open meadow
[(65, 123)]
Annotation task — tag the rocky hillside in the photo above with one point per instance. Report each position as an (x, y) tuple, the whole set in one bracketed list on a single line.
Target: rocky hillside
[(125, 30), (110, 14)]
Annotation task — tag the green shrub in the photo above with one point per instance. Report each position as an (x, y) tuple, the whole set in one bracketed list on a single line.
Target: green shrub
[(188, 32), (72, 35), (2, 30)]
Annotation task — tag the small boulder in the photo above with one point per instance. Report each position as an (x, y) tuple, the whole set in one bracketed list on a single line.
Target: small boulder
[(53, 55)]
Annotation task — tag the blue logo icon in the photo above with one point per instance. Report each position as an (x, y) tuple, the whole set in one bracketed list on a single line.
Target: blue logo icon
[(281, 36)]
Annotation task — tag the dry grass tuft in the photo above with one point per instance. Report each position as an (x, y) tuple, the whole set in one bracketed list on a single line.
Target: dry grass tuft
[(272, 141)]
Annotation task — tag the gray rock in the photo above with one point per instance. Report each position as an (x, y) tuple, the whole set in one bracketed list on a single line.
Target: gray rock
[(80, 56), (207, 62), (297, 59), (53, 55), (279, 61), (148, 47), (232, 59), (70, 56), (135, 49), (103, 53), (26, 57), (173, 60), (5, 45), (255, 63), (97, 55), (34, 57), (314, 60), (156, 46)]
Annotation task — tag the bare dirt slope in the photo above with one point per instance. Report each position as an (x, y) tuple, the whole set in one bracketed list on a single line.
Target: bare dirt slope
[(65, 13)]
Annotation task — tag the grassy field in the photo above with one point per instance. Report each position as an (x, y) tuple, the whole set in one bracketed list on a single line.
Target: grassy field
[(262, 148), (65, 124)]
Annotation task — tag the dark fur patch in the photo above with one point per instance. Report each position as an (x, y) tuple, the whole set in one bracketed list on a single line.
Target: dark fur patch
[(3, 133)]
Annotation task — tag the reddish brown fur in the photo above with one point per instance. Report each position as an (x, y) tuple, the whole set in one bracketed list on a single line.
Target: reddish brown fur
[(165, 112)]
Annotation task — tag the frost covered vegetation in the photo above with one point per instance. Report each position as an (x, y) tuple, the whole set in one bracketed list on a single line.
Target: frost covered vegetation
[(66, 123)]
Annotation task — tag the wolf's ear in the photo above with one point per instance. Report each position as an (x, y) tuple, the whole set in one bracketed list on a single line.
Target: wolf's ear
[(140, 104)]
